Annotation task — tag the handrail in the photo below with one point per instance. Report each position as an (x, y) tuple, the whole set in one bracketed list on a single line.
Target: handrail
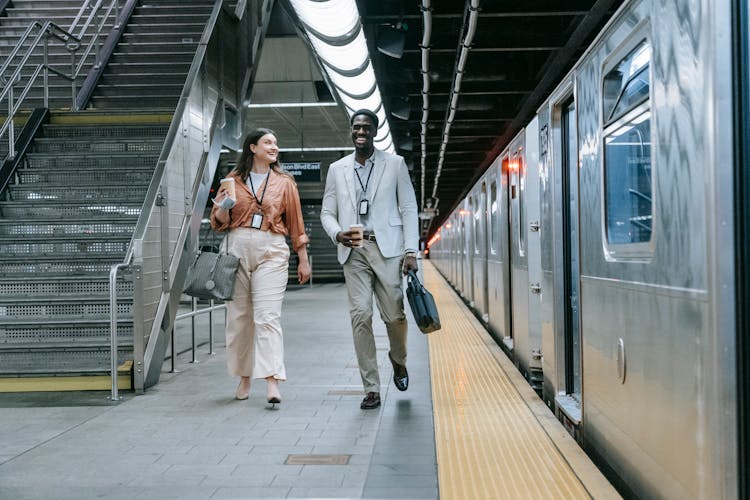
[(72, 43)]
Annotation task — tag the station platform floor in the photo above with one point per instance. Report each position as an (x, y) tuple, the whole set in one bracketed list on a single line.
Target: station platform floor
[(468, 427)]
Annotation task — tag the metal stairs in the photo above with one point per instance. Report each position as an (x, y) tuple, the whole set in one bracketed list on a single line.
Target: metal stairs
[(149, 65), (66, 218), (17, 19)]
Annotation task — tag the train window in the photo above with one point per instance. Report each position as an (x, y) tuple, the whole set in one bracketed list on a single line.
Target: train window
[(627, 84), (627, 150), (491, 226)]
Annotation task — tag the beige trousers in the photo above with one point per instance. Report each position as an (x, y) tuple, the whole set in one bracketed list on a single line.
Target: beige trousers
[(367, 271), (255, 346)]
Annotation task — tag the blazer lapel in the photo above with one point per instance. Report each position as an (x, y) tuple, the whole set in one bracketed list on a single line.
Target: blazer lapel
[(377, 174), (349, 177)]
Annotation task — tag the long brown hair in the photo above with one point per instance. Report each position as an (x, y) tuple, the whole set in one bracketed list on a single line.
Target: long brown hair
[(245, 162)]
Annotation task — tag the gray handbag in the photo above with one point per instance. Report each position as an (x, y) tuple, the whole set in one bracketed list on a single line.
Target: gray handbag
[(212, 275)]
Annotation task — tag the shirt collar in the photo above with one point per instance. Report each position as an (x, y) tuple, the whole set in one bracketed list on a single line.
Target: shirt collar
[(368, 162)]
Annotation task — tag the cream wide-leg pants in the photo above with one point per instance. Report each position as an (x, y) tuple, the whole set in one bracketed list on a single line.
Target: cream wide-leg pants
[(255, 346)]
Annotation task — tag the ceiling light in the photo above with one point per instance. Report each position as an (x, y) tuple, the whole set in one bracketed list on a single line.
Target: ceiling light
[(336, 35)]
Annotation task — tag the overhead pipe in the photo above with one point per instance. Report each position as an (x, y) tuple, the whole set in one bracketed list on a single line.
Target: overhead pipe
[(463, 57), (426, 36)]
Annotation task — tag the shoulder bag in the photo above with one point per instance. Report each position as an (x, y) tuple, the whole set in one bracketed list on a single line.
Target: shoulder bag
[(212, 275)]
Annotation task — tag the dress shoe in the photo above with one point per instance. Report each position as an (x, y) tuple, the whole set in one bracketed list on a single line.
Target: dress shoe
[(400, 375), (371, 401)]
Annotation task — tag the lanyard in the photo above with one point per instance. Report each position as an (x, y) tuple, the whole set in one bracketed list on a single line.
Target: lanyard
[(252, 188), (367, 183)]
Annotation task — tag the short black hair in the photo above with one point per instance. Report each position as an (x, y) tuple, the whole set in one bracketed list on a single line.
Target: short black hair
[(372, 116)]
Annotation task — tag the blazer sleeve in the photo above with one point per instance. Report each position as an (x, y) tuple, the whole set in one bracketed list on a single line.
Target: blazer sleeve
[(407, 205), (329, 212)]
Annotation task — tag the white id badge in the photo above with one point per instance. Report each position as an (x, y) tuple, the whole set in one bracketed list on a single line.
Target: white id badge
[(364, 206), (256, 221)]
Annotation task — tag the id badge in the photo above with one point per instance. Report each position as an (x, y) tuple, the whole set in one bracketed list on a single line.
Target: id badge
[(256, 221), (364, 206)]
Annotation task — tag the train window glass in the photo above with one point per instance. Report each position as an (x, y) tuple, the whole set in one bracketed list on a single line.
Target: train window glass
[(628, 181), (522, 223), (627, 84), (475, 215), (491, 226)]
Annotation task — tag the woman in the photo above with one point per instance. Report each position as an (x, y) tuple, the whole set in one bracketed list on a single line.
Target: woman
[(266, 209)]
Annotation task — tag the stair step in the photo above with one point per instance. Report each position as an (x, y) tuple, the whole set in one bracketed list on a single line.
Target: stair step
[(175, 56), (188, 29), (114, 80), (81, 228), (89, 265), (80, 247), (169, 16), (128, 102), (157, 36), (79, 286), (137, 90), (65, 209), (74, 360), (123, 193), (89, 162), (163, 46), (13, 310), (87, 178), (148, 145), (117, 131), (161, 68)]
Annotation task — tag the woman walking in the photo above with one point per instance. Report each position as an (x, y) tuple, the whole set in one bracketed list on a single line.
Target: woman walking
[(265, 209)]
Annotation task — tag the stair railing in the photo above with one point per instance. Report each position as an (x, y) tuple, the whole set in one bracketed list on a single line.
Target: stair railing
[(36, 38)]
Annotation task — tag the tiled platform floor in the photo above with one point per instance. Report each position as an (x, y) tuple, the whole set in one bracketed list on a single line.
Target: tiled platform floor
[(187, 438)]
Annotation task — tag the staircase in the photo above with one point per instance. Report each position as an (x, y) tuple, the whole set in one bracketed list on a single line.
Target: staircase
[(149, 65), (17, 19), (66, 218)]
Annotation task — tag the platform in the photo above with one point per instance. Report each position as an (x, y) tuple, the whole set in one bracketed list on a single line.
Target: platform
[(478, 431)]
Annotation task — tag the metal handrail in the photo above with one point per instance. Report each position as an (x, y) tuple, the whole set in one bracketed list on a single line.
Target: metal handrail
[(72, 43)]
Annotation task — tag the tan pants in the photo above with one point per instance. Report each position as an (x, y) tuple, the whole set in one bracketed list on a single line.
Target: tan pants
[(254, 313), (367, 271)]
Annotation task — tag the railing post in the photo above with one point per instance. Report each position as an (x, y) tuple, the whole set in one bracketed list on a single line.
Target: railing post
[(193, 304), (211, 328), (113, 327), (11, 130)]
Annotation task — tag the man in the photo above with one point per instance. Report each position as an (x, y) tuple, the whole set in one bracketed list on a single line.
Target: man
[(373, 188)]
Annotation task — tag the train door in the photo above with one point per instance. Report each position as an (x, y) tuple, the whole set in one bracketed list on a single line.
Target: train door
[(479, 216), (468, 249), (498, 280), (571, 253), (519, 273), (533, 356)]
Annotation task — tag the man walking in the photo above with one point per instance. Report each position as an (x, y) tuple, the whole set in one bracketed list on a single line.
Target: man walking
[(372, 188)]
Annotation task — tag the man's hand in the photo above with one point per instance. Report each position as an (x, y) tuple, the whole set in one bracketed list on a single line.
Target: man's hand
[(410, 264), (346, 238)]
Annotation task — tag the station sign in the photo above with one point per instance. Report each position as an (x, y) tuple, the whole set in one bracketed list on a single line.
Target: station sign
[(304, 171)]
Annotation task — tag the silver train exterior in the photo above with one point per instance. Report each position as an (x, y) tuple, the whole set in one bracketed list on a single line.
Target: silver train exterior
[(598, 250)]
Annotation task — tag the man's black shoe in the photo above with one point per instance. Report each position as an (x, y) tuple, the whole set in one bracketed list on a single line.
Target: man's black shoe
[(371, 401), (400, 375)]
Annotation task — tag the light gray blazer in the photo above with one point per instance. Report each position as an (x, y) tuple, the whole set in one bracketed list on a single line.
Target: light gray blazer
[(393, 205)]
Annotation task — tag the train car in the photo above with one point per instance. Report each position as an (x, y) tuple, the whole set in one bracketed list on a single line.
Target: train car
[(598, 249)]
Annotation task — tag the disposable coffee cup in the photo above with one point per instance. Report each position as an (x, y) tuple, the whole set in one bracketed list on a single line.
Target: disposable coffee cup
[(228, 183), (359, 228)]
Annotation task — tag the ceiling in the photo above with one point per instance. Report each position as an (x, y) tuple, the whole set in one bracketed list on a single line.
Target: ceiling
[(519, 53)]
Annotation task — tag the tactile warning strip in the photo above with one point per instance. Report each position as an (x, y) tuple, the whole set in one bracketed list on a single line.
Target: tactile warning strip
[(489, 442)]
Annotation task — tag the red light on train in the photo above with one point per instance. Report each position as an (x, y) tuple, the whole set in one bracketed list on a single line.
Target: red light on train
[(463, 212), (448, 226), (434, 238)]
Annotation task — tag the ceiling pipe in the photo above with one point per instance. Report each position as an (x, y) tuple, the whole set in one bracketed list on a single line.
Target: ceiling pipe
[(463, 57), (425, 48)]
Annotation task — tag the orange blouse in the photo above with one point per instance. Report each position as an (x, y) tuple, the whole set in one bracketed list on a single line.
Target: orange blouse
[(281, 208)]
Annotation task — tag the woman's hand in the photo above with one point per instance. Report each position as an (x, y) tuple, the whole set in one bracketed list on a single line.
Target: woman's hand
[(303, 271)]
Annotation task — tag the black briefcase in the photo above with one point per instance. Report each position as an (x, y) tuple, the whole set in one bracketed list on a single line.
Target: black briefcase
[(422, 305)]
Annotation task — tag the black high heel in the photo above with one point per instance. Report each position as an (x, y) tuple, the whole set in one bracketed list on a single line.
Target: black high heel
[(274, 401)]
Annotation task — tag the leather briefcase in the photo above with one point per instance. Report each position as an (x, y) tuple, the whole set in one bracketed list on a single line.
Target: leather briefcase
[(422, 305)]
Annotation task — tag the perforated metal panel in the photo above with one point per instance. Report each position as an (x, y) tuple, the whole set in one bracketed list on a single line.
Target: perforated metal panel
[(97, 146), (59, 211), (103, 228), (39, 161), (119, 193)]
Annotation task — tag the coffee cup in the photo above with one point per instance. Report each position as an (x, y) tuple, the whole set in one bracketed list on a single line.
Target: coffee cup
[(357, 234), (228, 184)]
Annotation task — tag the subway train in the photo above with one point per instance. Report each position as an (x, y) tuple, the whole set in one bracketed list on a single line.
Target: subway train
[(599, 250)]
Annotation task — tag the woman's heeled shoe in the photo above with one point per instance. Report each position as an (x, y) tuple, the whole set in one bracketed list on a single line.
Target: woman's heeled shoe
[(242, 394), (273, 395)]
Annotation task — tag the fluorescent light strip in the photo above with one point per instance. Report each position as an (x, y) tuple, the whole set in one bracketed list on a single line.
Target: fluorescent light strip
[(295, 105), (305, 150), (328, 24)]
